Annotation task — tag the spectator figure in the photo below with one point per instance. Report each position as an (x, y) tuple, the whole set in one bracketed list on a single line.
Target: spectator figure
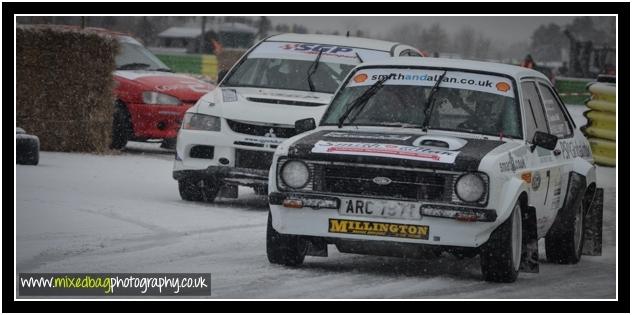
[(528, 62)]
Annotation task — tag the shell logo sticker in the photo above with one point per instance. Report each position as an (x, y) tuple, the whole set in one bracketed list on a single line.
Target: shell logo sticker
[(502, 86), (360, 78)]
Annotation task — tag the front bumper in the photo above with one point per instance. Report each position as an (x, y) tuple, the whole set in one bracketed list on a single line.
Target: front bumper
[(318, 215), (156, 121), (226, 160)]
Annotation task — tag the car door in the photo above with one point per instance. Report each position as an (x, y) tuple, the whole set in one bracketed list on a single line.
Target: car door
[(544, 166), (560, 125)]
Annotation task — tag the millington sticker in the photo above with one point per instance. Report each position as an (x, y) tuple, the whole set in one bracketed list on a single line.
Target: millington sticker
[(419, 153), (379, 229)]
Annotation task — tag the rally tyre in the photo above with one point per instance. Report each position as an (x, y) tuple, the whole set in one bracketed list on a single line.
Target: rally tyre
[(500, 256), (121, 127), (169, 144), (565, 241), (200, 190), (282, 249)]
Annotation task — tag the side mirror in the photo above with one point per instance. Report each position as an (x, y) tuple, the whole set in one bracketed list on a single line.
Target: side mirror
[(304, 125), (545, 140), (221, 75)]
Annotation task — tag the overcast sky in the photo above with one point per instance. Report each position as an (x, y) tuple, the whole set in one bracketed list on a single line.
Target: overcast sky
[(506, 29)]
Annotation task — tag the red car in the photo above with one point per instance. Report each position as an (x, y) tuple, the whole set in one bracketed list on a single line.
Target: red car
[(151, 99)]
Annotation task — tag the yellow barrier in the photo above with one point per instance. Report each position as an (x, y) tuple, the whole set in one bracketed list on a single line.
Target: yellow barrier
[(604, 151), (209, 66), (603, 91), (602, 105), (601, 126)]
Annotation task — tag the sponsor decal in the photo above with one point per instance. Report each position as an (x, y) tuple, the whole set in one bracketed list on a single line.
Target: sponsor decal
[(267, 142), (360, 78), (512, 164), (503, 86), (308, 51), (421, 77), (536, 180), (316, 48), (191, 85), (287, 95), (379, 229), (418, 153), (364, 135), (572, 149)]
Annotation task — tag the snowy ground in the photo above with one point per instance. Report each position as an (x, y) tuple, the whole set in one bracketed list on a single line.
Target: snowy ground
[(122, 213)]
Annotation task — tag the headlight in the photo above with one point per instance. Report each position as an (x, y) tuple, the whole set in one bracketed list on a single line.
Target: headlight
[(470, 187), (295, 174), (151, 97), (195, 121)]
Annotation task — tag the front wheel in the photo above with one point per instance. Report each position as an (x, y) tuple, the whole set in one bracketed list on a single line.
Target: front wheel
[(284, 249), (121, 127), (201, 190), (500, 256)]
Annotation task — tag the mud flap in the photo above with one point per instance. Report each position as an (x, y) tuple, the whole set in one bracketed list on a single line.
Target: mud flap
[(593, 225), (317, 247), (530, 255)]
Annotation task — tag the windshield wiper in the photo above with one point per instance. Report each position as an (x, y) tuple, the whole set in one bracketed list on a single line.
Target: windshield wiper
[(133, 65), (312, 69), (163, 69), (362, 99), (430, 102)]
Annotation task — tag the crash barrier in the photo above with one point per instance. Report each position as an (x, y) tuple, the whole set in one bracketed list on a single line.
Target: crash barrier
[(601, 122), (206, 65), (64, 87), (572, 90)]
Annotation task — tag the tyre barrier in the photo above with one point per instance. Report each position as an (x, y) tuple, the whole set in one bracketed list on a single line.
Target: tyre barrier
[(600, 128), (26, 148)]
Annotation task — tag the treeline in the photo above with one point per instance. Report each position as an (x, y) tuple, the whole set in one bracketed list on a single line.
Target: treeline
[(546, 44)]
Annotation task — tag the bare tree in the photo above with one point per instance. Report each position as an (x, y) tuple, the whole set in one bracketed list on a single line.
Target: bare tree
[(434, 39), (464, 42)]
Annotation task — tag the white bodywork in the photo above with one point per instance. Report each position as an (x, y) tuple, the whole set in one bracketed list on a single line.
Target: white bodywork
[(504, 165), (244, 110)]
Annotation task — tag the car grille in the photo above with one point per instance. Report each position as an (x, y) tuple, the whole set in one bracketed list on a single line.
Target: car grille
[(260, 160), (258, 130), (413, 185)]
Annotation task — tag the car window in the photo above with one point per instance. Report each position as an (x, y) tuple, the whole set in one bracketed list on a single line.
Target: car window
[(558, 124), (134, 56), (288, 74), (465, 102), (534, 112)]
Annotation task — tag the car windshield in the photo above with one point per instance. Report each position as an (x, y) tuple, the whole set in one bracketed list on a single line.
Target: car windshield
[(133, 56), (276, 73), (466, 102)]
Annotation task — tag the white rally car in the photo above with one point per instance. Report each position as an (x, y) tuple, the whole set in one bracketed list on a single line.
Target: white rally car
[(429, 155), (228, 138)]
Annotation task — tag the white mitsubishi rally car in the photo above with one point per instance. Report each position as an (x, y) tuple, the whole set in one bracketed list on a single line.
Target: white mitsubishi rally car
[(228, 138), (429, 155)]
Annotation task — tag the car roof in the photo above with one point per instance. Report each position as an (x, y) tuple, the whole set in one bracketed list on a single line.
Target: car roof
[(510, 70), (351, 41)]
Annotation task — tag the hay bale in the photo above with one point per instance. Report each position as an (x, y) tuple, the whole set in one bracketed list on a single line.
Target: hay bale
[(64, 87)]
